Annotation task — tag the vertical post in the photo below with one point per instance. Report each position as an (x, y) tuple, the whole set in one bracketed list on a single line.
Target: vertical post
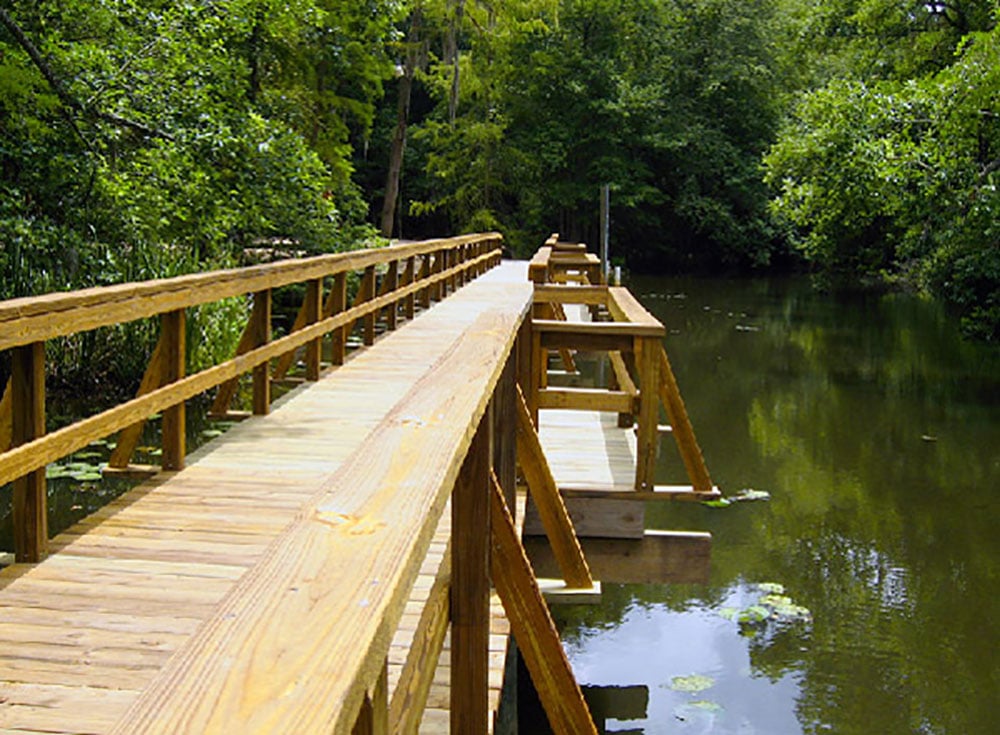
[(173, 356), (605, 231), (649, 411), (539, 370), (260, 318), (470, 588), (368, 290), (314, 348), (31, 527), (425, 273), (409, 276), (392, 284), (373, 718), (338, 303), (504, 433)]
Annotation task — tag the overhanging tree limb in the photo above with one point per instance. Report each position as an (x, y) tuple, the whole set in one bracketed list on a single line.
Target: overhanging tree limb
[(70, 102)]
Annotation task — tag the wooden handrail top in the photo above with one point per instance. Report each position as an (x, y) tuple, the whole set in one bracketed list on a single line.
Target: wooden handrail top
[(566, 294), (36, 454), (625, 307), (612, 329), (38, 318), (304, 634)]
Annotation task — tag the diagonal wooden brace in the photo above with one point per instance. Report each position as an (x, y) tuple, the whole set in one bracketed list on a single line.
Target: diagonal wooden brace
[(532, 625), (551, 508)]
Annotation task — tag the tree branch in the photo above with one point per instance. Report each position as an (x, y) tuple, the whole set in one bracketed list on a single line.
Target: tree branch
[(65, 97)]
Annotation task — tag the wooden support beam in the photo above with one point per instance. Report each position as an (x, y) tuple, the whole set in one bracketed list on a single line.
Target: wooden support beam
[(390, 283), (284, 363), (586, 399), (409, 276), (30, 514), (227, 391), (174, 426), (621, 378), (6, 414), (659, 557), (129, 437), (683, 432), (260, 329), (336, 303), (313, 311), (373, 718), (533, 628), (596, 517), (470, 588), (584, 336), (550, 504), (648, 419), (424, 295), (410, 695), (557, 294), (367, 293)]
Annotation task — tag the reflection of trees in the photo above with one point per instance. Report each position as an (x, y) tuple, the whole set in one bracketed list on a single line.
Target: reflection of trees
[(885, 535)]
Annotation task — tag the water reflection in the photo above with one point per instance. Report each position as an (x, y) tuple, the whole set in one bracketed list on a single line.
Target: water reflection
[(876, 430)]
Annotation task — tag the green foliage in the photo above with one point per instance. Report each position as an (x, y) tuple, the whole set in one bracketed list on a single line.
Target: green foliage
[(896, 180)]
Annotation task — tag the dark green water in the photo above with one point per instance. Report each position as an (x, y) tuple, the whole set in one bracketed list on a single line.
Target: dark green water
[(877, 432)]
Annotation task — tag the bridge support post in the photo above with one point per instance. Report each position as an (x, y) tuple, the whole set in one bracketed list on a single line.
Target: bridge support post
[(313, 306), (338, 303), (31, 530), (260, 320), (174, 418), (470, 588)]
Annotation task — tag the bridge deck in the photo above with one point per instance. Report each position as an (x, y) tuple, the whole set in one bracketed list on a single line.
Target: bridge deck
[(84, 632)]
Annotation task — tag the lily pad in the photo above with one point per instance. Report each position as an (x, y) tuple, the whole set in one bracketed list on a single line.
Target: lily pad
[(754, 614), (707, 705), (57, 472), (88, 455), (784, 608), (692, 683), (212, 433), (771, 588), (747, 494), (729, 613)]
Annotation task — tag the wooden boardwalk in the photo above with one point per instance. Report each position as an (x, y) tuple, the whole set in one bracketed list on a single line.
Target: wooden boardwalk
[(85, 632), (301, 573)]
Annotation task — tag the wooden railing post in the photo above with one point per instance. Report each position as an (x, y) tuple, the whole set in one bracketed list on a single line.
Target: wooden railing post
[(313, 307), (470, 588), (373, 719), (409, 276), (367, 294), (31, 530), (647, 430), (174, 420), (392, 284), (260, 318), (337, 303)]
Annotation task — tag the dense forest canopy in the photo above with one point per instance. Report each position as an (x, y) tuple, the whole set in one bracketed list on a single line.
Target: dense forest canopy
[(859, 138)]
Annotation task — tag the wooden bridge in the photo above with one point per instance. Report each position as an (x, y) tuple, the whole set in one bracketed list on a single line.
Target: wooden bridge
[(347, 559)]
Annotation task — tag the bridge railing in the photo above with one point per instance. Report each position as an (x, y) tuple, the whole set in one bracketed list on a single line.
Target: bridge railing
[(302, 643), (642, 379), (411, 274)]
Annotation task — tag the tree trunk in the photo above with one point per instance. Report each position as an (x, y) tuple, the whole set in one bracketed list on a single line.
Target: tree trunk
[(398, 148)]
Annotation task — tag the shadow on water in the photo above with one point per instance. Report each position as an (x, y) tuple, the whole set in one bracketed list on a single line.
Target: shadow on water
[(876, 430)]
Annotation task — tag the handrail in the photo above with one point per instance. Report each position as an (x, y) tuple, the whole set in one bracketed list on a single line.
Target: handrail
[(38, 318), (26, 323), (640, 384)]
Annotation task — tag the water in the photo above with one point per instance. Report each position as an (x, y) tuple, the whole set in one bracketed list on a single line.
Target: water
[(877, 432)]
